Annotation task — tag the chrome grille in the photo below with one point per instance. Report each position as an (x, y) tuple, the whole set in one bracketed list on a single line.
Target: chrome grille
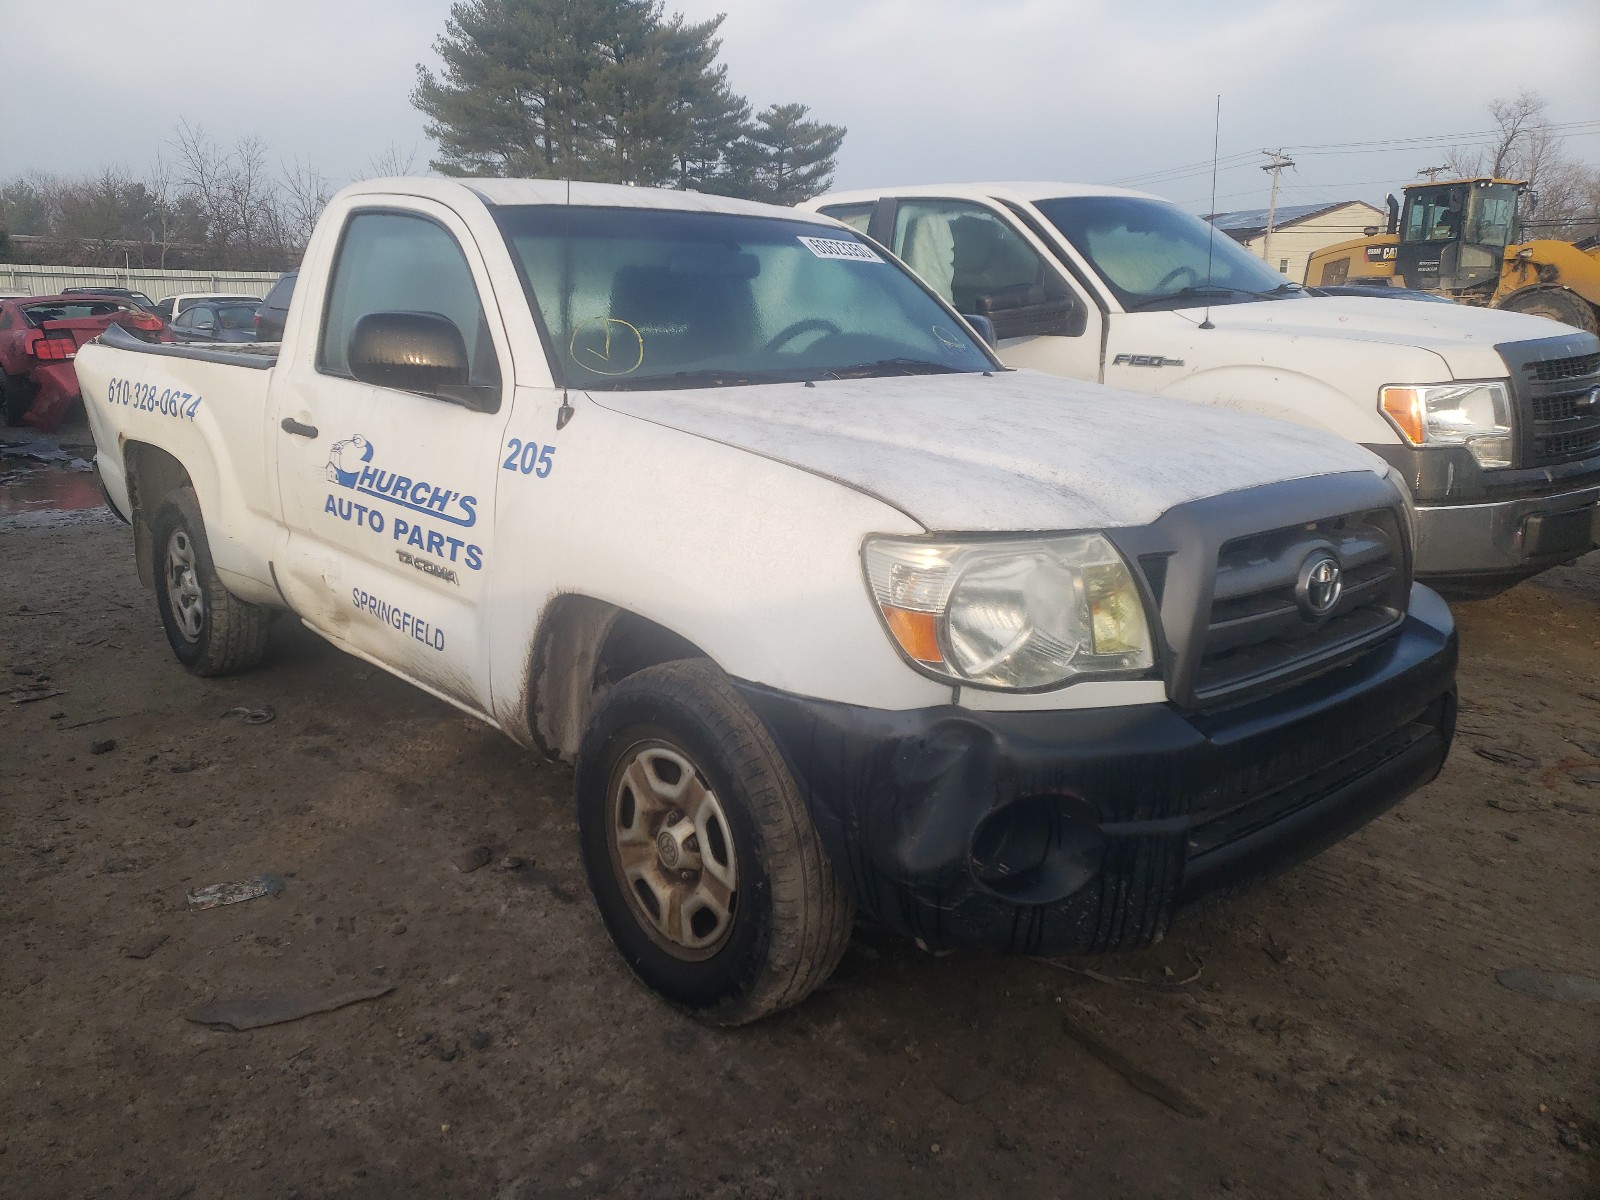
[(1258, 635)]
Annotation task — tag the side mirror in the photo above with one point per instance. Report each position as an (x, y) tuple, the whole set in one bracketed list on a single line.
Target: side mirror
[(1029, 311), (416, 352), (982, 326)]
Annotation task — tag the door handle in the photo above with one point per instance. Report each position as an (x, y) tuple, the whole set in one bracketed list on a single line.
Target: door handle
[(290, 425)]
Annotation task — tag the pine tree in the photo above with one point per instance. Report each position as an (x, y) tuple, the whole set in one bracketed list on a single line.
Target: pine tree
[(794, 157), (609, 90)]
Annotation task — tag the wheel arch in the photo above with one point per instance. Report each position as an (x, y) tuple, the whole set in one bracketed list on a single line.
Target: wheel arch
[(583, 648), (153, 474)]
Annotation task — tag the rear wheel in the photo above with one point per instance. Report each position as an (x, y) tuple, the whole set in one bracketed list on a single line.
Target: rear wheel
[(16, 395), (699, 850), (211, 631), (1558, 304)]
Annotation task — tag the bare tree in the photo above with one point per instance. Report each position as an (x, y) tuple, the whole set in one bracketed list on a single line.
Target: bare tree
[(391, 160), (1560, 200), (305, 193)]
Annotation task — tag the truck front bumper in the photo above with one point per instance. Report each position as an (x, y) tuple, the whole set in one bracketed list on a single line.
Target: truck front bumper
[(1507, 540), (1083, 830)]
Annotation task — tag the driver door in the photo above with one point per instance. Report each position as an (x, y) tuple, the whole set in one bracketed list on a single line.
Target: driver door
[(388, 494), (981, 262)]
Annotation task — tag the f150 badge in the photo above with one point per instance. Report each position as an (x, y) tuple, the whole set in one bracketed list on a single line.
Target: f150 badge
[(1145, 360)]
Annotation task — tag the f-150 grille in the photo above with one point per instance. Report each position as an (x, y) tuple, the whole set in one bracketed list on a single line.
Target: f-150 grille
[(1559, 420), (1264, 626), (1556, 369)]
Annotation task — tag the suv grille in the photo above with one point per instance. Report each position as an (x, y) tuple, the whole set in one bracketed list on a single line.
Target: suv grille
[(1555, 369), (1258, 634)]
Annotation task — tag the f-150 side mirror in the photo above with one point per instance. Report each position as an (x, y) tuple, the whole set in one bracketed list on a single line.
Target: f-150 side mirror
[(1029, 310), (416, 352)]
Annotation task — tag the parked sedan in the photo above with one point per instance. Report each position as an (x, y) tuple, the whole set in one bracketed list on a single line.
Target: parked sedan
[(176, 306), (217, 321), (39, 339)]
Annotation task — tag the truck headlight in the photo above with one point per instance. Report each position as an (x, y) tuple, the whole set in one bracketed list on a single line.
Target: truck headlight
[(1474, 415), (1023, 615)]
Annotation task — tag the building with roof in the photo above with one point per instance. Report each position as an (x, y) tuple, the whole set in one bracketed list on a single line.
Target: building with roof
[(1299, 230)]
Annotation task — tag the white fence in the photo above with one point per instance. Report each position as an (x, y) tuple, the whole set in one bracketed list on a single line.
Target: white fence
[(158, 285)]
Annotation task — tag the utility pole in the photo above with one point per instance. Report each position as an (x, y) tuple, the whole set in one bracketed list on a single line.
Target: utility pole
[(1278, 163), (1432, 172)]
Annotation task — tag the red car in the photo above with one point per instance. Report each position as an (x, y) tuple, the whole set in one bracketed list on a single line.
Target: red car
[(39, 338)]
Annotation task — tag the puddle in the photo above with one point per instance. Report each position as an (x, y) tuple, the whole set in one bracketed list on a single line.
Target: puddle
[(48, 491)]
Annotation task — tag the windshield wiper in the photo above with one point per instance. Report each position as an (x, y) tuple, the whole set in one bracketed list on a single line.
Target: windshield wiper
[(713, 377), (1198, 291), (1283, 289), (891, 366)]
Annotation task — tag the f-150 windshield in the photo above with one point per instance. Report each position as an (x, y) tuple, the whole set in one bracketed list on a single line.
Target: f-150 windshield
[(653, 298), (1152, 254)]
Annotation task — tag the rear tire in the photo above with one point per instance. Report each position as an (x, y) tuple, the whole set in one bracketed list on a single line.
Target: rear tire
[(16, 397), (1558, 304), (211, 631), (700, 853)]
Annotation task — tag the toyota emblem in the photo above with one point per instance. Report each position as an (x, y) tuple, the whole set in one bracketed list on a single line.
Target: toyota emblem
[(1319, 586)]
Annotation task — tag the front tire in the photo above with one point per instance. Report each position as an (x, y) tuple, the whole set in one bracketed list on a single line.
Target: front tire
[(1558, 304), (211, 631), (699, 851)]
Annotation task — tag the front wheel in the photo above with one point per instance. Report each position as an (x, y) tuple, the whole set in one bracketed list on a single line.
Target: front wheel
[(211, 630), (699, 850), (1557, 303)]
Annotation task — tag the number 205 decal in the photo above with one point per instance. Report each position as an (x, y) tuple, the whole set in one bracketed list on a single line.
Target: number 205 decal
[(144, 397), (529, 457)]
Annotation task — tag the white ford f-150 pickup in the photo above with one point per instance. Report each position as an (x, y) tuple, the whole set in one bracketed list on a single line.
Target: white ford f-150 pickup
[(829, 608), (1492, 417)]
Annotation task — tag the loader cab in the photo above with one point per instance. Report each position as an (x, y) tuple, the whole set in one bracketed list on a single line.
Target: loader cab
[(1453, 235)]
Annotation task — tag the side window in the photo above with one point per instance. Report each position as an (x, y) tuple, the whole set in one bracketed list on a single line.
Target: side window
[(857, 216), (5, 320), (392, 262), (980, 264)]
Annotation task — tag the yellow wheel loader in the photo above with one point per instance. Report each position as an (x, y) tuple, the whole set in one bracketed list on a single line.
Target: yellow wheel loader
[(1460, 238)]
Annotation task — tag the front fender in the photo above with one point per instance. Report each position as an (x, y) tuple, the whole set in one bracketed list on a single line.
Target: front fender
[(1288, 395)]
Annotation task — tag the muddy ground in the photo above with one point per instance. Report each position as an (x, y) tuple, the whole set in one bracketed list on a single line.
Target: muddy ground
[(1346, 1035)]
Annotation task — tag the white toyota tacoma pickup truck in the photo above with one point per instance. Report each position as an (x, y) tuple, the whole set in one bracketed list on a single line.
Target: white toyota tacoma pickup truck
[(829, 608), (1492, 417)]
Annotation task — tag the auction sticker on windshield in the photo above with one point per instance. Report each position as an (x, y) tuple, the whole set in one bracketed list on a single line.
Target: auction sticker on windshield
[(838, 248)]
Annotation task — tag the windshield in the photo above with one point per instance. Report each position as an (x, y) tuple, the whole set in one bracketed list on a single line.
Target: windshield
[(1492, 215), (666, 298), (1152, 254)]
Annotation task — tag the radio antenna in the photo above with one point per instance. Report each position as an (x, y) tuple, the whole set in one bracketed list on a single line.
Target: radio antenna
[(1216, 140), (564, 413)]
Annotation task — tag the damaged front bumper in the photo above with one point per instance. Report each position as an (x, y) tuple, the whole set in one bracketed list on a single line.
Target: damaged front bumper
[(1083, 830)]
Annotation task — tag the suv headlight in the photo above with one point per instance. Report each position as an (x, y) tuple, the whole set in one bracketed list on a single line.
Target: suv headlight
[(1474, 415), (1022, 615)]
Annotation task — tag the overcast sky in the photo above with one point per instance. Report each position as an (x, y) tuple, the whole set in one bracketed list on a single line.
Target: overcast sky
[(1083, 90)]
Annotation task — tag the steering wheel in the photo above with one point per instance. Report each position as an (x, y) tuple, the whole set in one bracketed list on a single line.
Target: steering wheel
[(788, 334), (1173, 275)]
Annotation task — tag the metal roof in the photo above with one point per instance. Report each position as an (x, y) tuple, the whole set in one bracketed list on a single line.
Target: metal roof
[(1254, 220)]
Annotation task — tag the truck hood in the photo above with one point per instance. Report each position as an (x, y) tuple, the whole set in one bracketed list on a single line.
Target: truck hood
[(1464, 337), (1016, 451)]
